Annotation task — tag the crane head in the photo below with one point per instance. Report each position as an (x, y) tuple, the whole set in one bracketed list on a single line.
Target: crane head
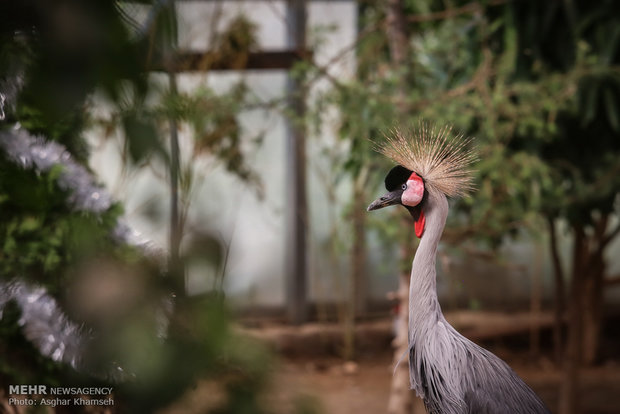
[(429, 159), (406, 188)]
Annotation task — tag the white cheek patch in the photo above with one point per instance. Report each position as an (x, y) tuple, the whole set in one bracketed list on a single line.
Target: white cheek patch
[(413, 194)]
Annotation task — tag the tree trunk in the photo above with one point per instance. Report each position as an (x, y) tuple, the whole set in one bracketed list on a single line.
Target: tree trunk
[(569, 389), (356, 303), (358, 265), (592, 309), (401, 397), (396, 31), (593, 290), (559, 297), (536, 301)]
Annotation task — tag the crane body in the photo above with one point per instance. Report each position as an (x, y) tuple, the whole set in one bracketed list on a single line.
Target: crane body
[(449, 372)]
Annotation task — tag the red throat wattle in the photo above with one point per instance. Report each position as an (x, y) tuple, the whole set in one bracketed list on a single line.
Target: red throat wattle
[(419, 224)]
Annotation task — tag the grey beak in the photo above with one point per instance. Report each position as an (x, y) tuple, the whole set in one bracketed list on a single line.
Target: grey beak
[(388, 199)]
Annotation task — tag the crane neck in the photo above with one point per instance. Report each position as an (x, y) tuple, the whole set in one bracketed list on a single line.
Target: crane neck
[(423, 303)]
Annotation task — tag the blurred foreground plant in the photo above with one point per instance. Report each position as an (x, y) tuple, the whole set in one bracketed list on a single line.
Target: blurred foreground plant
[(135, 328)]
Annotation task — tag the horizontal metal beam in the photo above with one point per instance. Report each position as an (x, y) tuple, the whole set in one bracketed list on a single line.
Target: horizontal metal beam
[(210, 61)]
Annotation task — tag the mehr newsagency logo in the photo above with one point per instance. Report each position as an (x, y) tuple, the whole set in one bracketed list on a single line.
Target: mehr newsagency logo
[(43, 395)]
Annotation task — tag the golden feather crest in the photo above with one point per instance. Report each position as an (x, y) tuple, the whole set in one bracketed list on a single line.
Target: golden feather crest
[(438, 155)]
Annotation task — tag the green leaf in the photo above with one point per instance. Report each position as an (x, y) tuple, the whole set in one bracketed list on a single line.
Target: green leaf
[(590, 103), (141, 137), (611, 109), (29, 224)]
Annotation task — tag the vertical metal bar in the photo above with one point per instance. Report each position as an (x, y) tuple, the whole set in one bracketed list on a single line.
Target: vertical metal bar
[(296, 202)]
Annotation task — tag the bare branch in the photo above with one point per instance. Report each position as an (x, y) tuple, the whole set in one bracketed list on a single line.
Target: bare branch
[(602, 239)]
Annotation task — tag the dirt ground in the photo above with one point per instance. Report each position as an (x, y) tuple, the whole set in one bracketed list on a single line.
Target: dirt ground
[(309, 377), (329, 385), (336, 387)]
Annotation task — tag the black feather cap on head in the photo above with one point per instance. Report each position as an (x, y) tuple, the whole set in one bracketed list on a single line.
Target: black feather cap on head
[(396, 177)]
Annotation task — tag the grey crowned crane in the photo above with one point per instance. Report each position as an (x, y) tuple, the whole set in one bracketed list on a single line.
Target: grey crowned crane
[(450, 373)]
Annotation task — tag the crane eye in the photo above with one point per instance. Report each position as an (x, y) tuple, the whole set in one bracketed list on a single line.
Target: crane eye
[(404, 187)]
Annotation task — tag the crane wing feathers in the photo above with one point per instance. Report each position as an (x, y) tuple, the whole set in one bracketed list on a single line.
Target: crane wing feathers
[(465, 378), (496, 388)]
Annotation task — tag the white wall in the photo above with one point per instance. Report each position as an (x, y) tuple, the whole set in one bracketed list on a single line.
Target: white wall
[(222, 203)]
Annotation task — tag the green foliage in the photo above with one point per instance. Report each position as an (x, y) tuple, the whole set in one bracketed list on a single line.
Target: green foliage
[(236, 41), (534, 83), (200, 344), (41, 237), (584, 151), (66, 130), (64, 52), (213, 119), (142, 137), (42, 240)]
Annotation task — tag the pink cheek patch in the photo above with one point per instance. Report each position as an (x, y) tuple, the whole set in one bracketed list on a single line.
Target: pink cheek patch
[(415, 191)]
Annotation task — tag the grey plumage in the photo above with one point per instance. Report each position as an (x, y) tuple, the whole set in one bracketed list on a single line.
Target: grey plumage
[(449, 372), (452, 374)]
